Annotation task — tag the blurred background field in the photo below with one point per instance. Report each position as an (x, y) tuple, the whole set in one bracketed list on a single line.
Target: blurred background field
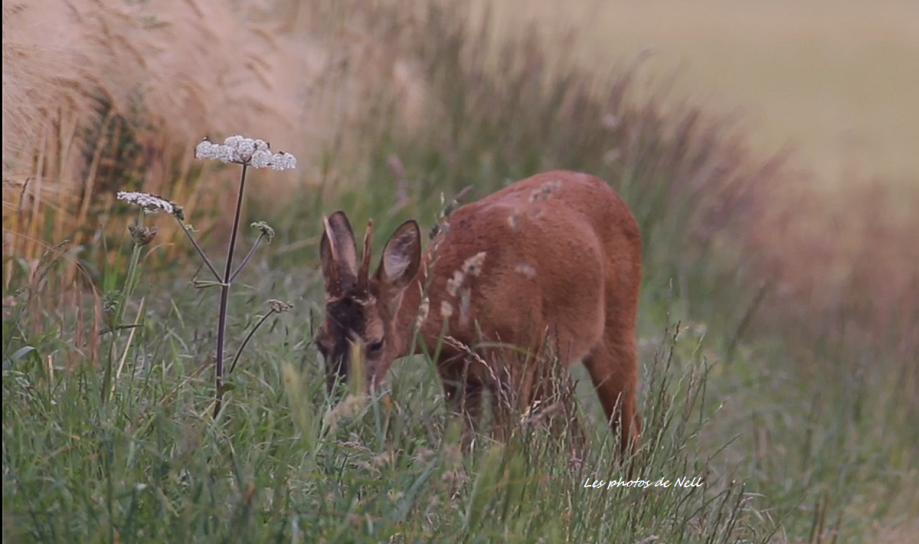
[(766, 149), (834, 80)]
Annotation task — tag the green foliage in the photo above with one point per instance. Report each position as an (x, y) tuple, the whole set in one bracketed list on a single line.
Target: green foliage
[(152, 465)]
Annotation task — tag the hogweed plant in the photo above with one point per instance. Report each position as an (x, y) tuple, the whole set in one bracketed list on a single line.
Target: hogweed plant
[(247, 153)]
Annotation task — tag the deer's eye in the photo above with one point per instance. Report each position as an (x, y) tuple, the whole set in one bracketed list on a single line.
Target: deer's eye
[(374, 348)]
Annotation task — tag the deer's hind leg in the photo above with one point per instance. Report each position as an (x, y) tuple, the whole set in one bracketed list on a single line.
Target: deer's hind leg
[(613, 360), (613, 368)]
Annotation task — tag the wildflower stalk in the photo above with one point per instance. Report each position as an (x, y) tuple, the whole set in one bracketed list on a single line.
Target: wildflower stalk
[(276, 307), (225, 294), (130, 282), (247, 153), (141, 236), (247, 257), (204, 257)]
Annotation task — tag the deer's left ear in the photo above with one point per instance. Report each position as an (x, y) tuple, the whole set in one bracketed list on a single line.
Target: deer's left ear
[(338, 254), (401, 256)]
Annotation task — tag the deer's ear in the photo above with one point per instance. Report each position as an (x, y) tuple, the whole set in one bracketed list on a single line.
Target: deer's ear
[(401, 256), (338, 254)]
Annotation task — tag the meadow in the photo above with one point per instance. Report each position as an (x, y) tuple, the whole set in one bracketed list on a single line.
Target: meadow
[(778, 342)]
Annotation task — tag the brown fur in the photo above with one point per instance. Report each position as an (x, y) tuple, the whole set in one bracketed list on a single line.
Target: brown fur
[(560, 270)]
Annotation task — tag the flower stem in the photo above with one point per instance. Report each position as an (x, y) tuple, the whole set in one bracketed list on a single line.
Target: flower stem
[(130, 282), (246, 340), (200, 251), (225, 296), (246, 258)]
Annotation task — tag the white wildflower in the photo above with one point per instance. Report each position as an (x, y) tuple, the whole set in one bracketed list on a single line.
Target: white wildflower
[(241, 150), (150, 203)]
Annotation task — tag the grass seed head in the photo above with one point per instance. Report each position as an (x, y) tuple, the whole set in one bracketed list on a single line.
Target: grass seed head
[(545, 190), (473, 265)]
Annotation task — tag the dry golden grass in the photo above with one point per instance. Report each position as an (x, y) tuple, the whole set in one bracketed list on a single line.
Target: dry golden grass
[(835, 79), (100, 96)]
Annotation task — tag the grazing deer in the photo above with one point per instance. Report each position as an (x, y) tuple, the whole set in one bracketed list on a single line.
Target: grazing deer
[(552, 260)]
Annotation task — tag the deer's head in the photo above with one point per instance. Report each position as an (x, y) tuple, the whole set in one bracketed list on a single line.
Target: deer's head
[(359, 325)]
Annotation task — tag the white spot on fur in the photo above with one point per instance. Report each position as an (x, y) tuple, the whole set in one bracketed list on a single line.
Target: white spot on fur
[(526, 270)]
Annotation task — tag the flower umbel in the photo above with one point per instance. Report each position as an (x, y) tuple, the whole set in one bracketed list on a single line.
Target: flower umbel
[(241, 150), (150, 203)]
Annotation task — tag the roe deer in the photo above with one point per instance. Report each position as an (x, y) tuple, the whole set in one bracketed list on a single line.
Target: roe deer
[(554, 259)]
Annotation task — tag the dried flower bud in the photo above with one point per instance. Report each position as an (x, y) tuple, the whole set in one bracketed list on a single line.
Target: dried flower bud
[(280, 306), (266, 229), (110, 301), (142, 235)]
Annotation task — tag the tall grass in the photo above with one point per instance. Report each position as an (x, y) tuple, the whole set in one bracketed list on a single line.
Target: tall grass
[(151, 465), (108, 96), (790, 389)]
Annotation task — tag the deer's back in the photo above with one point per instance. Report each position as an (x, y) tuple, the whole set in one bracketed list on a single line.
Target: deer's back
[(553, 245)]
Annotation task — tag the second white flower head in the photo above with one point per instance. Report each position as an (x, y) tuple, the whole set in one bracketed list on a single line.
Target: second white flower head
[(241, 150)]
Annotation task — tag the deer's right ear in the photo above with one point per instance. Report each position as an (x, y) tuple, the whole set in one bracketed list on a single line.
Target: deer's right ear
[(401, 256), (338, 253)]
